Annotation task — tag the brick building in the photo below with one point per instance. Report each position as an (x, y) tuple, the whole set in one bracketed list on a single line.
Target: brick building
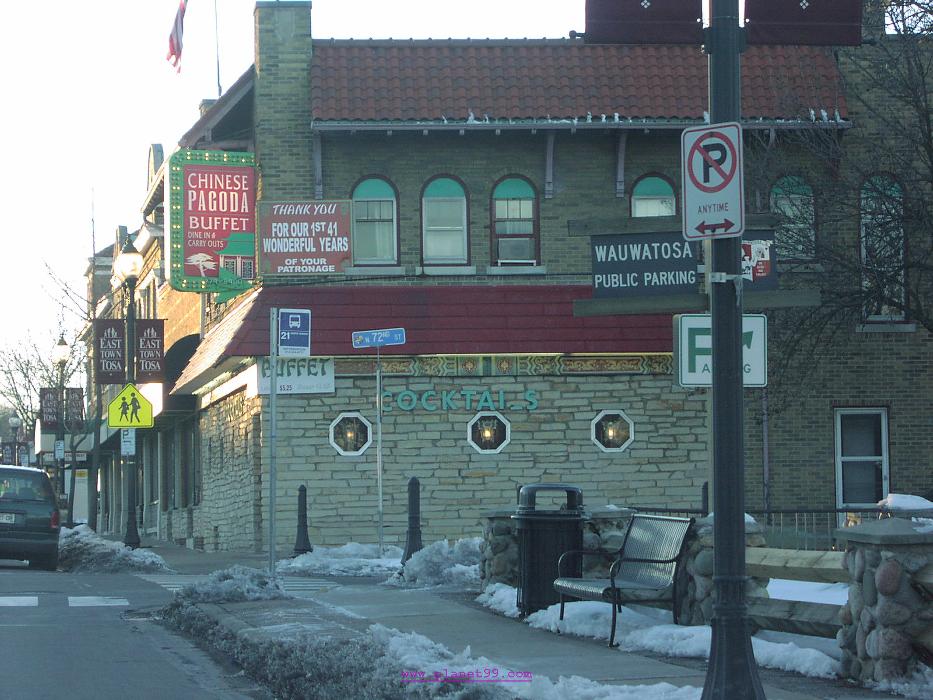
[(482, 173)]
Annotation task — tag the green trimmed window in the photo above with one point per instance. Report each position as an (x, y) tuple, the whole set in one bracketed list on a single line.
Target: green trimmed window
[(882, 249), (514, 225), (444, 223), (653, 196), (375, 241), (791, 201)]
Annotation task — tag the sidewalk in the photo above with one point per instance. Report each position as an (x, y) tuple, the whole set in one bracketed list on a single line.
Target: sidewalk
[(453, 619)]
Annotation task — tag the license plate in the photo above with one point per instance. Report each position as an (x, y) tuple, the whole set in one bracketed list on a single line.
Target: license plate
[(8, 518)]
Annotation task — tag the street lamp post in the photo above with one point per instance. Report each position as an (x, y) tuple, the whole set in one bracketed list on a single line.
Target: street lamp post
[(127, 268), (15, 425), (60, 354)]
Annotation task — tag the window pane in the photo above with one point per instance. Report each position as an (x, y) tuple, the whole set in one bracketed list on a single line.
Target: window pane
[(374, 242), (861, 482), (444, 246), (502, 208), (443, 213), (652, 206), (861, 434), (522, 249)]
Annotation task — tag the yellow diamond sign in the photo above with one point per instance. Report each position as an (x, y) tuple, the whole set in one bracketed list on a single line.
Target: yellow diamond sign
[(130, 409)]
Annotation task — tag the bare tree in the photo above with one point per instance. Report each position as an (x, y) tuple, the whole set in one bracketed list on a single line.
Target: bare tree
[(853, 197)]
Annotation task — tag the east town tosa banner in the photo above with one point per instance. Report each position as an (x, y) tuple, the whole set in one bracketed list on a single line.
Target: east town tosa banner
[(110, 350)]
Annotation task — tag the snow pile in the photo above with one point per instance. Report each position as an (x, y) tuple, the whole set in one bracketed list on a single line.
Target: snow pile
[(441, 667), (443, 565), (352, 559), (82, 549), (900, 501), (501, 598), (649, 629), (233, 585)]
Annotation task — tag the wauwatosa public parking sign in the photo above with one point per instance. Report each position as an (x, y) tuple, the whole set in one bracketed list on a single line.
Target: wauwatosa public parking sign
[(212, 221)]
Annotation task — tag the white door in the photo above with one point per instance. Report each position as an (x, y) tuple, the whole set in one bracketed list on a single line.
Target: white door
[(862, 469)]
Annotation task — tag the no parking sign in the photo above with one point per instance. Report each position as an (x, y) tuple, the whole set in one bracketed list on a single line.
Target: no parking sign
[(713, 191)]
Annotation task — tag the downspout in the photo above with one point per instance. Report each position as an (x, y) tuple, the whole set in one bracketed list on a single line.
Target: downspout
[(765, 466)]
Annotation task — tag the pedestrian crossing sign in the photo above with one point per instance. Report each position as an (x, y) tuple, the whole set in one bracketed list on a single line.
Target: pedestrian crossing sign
[(130, 409)]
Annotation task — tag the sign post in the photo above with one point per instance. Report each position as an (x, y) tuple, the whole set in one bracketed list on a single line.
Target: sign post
[(376, 339), (732, 673)]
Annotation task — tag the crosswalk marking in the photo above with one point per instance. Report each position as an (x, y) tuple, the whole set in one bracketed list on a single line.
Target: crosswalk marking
[(296, 585), (87, 601), (19, 601)]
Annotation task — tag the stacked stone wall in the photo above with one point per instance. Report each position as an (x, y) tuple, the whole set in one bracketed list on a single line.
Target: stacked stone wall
[(666, 463)]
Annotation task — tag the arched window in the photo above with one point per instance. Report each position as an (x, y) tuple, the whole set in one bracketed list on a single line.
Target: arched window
[(374, 223), (791, 201), (514, 223), (881, 205), (653, 196), (444, 223)]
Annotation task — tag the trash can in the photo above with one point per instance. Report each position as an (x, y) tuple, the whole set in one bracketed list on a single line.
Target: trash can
[(543, 535)]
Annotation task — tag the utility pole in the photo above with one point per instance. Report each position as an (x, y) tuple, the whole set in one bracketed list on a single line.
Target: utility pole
[(732, 673)]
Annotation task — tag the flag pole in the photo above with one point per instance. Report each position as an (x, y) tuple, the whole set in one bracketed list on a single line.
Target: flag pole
[(217, 48)]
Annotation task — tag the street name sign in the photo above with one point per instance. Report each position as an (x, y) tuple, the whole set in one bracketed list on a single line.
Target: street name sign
[(130, 409), (294, 333), (378, 338), (713, 190), (693, 350)]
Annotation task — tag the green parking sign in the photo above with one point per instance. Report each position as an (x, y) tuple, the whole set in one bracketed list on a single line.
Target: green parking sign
[(693, 350)]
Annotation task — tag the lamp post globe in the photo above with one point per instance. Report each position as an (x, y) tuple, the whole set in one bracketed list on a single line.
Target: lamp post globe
[(126, 268)]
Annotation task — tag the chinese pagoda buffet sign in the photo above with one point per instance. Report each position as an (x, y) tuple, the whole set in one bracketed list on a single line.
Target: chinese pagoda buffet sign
[(212, 221), (303, 238)]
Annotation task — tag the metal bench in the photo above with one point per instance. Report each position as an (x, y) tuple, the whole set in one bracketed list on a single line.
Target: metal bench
[(642, 570)]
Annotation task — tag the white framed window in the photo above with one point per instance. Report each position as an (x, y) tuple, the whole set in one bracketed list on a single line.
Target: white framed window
[(240, 265), (882, 249), (791, 200), (862, 468), (612, 430), (514, 223), (488, 432), (351, 434), (444, 223), (653, 196), (375, 229)]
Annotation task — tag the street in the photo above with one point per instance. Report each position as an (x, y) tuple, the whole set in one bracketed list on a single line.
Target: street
[(93, 636)]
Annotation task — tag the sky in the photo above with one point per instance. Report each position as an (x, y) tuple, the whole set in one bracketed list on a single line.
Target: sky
[(89, 89)]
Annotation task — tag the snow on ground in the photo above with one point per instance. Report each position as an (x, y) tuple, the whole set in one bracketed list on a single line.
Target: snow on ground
[(442, 565), (809, 591), (234, 585), (352, 559), (640, 628), (83, 550)]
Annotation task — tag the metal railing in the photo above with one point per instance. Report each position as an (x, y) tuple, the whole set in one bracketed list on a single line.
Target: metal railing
[(803, 528)]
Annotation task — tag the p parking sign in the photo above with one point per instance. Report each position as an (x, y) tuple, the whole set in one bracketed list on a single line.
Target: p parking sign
[(713, 191), (693, 350)]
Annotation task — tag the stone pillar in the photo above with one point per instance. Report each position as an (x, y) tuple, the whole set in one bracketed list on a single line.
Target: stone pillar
[(695, 575), (889, 615)]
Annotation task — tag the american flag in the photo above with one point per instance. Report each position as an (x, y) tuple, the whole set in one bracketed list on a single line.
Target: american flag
[(174, 39)]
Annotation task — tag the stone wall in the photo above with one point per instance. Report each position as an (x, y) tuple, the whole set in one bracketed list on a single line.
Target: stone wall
[(695, 574), (666, 463), (229, 514)]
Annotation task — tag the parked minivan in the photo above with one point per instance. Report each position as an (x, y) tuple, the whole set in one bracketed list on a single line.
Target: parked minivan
[(29, 518)]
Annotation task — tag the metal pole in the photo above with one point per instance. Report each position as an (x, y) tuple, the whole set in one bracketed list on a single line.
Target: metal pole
[(273, 426), (413, 538), (60, 432), (379, 440), (131, 539), (732, 673)]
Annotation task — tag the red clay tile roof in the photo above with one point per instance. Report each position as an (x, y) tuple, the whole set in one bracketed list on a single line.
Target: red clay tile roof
[(437, 320), (428, 80)]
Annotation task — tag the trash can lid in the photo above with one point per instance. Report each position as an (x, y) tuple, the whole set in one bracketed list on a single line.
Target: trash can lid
[(529, 492)]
